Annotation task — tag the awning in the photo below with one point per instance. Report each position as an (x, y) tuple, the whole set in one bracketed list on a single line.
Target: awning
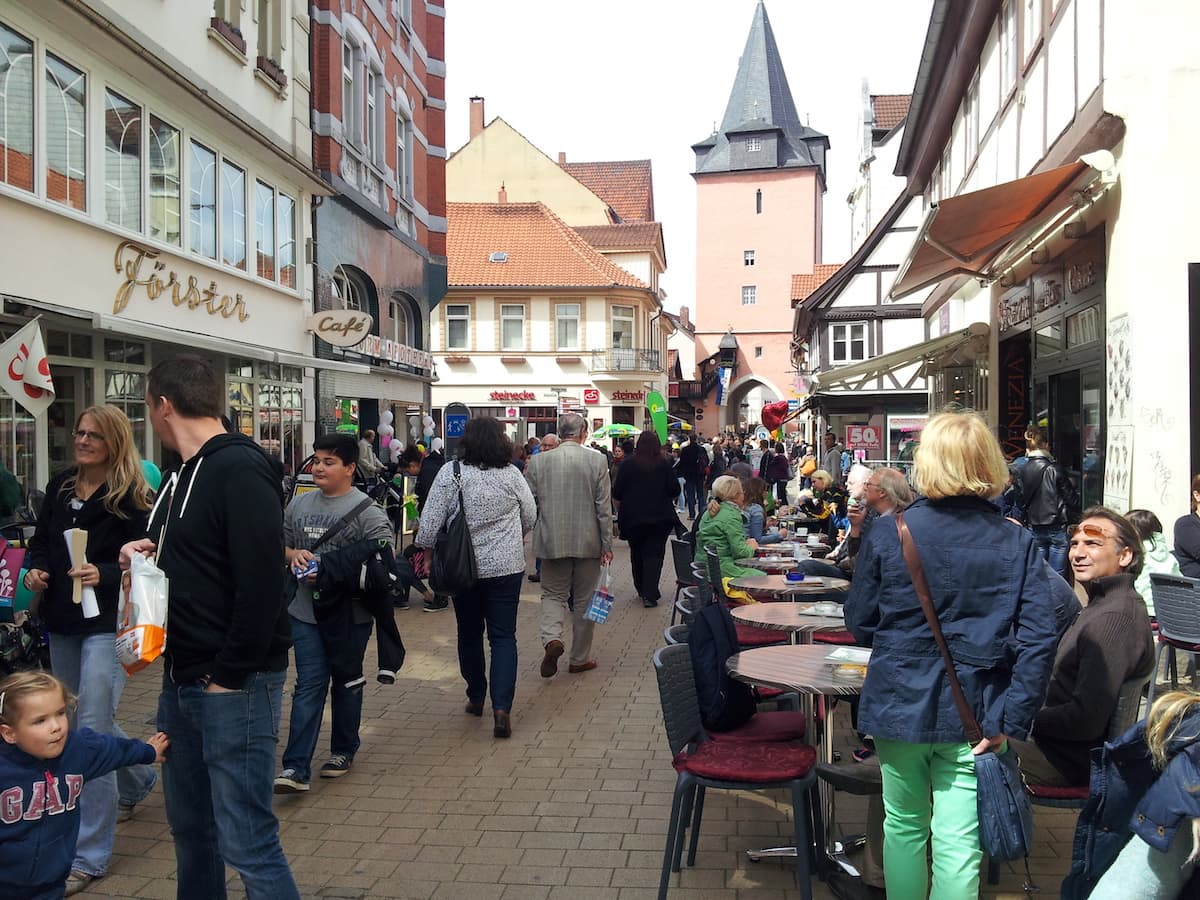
[(962, 345), (962, 235)]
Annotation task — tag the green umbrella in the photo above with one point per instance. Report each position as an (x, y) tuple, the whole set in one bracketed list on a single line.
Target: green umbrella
[(612, 431)]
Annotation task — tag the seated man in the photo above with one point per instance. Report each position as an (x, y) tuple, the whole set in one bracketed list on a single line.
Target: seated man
[(1108, 643)]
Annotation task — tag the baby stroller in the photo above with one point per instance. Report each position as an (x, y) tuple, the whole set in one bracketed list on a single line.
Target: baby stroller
[(23, 641)]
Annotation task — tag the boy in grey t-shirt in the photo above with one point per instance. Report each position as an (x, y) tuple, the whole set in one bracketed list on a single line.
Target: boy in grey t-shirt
[(306, 519)]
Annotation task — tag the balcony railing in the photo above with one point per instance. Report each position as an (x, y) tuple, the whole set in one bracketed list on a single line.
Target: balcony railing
[(690, 390), (631, 360)]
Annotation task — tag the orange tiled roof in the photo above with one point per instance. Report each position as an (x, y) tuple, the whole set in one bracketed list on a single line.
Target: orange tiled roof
[(543, 251), (626, 185), (890, 109), (625, 236), (803, 285)]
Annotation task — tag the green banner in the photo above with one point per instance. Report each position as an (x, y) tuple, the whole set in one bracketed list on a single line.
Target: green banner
[(658, 413)]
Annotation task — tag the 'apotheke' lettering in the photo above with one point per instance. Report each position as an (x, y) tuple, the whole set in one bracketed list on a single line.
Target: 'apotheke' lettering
[(129, 258)]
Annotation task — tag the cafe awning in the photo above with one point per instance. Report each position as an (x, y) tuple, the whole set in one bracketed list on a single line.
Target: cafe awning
[(960, 346), (962, 235)]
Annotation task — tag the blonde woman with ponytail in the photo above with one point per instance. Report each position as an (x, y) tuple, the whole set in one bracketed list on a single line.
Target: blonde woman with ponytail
[(1141, 826), (105, 494)]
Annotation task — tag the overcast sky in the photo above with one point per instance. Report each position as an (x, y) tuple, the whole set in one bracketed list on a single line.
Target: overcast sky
[(637, 79)]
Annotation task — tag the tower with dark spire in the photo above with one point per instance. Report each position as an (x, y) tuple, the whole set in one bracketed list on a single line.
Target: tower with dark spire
[(760, 184)]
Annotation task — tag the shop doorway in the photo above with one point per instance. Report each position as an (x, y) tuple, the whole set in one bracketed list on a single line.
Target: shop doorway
[(73, 393), (1069, 406)]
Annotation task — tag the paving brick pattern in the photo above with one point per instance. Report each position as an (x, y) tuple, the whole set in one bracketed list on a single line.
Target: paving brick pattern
[(573, 806)]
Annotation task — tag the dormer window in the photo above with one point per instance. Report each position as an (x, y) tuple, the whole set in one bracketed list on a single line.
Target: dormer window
[(753, 144)]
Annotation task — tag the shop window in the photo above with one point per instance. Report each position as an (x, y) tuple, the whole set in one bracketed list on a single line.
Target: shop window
[(122, 161), (66, 133), (18, 444), (287, 241), (127, 391), (68, 343), (1084, 327), (233, 215), (16, 109), (512, 326), (566, 326), (458, 326), (241, 406), (264, 230), (849, 342), (165, 182), (202, 201), (240, 368), (128, 352), (1047, 340)]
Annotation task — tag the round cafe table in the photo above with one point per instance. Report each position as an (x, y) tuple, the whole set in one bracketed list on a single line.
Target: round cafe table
[(769, 564), (778, 587), (797, 619)]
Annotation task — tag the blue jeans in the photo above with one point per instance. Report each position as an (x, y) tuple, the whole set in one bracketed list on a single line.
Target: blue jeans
[(87, 663), (308, 700), (491, 602), (693, 492), (1051, 541), (218, 782), (679, 501), (818, 567)]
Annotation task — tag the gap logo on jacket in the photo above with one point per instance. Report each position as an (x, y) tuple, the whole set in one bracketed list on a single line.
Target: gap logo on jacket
[(45, 799)]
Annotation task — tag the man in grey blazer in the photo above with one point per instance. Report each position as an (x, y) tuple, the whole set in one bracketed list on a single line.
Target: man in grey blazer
[(572, 536)]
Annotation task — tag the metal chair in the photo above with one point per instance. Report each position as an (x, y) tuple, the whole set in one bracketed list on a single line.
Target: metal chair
[(701, 763), (681, 554), (1177, 607)]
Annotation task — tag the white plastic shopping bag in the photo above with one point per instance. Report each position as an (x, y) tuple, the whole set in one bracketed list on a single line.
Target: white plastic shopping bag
[(601, 602), (141, 614)]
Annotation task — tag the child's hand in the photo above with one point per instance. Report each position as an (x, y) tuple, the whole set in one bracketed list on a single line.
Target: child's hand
[(160, 742)]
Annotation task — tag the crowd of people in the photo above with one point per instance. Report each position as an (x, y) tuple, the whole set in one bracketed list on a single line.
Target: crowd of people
[(1009, 554)]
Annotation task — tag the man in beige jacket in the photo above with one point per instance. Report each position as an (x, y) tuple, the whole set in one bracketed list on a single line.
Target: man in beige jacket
[(572, 536)]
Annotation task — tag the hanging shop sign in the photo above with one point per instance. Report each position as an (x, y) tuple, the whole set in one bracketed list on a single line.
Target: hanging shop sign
[(132, 258), (341, 327), (591, 396)]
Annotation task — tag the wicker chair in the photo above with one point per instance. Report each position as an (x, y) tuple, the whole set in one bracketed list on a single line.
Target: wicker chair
[(701, 763), (687, 604), (675, 634), (681, 554), (1177, 607)]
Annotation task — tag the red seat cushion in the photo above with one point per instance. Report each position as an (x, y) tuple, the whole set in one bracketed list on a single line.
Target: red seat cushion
[(765, 727), (753, 763), (1058, 793), (749, 636), (1178, 645), (833, 637), (767, 693)]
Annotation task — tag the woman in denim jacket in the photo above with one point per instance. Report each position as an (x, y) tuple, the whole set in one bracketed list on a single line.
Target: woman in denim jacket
[(992, 597), (1139, 835)]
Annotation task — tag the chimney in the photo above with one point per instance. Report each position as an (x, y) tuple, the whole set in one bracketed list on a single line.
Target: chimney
[(685, 317), (476, 116), (502, 194), (562, 158)]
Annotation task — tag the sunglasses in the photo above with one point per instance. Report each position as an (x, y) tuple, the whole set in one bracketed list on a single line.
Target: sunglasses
[(82, 435), (1092, 531)]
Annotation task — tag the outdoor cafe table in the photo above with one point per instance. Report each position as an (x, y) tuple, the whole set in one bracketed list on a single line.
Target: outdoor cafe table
[(778, 587), (806, 669), (797, 619), (769, 564)]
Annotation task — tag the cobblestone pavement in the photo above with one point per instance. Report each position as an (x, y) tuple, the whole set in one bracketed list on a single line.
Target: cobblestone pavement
[(573, 806)]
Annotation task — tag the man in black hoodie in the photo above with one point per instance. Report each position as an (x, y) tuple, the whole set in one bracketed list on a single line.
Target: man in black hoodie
[(217, 532)]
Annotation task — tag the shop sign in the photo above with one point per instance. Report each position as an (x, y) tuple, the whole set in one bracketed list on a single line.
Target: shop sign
[(395, 352), (1086, 268), (628, 396), (340, 327), (512, 395), (591, 396), (1047, 291), (1013, 308), (863, 437), (130, 259)]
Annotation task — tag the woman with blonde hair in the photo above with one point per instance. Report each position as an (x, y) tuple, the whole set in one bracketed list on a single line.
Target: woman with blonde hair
[(1138, 837), (105, 494), (826, 501), (991, 594), (722, 528)]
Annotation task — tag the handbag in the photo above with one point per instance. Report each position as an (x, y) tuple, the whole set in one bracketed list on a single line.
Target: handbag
[(453, 569), (1005, 813)]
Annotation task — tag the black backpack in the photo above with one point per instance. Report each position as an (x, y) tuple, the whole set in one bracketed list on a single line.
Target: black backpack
[(725, 704)]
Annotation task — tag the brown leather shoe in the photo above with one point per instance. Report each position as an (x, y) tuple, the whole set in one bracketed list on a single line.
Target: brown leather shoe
[(554, 650), (503, 727), (582, 667), (475, 709)]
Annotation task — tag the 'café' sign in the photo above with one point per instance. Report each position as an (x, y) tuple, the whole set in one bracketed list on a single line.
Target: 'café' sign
[(130, 260), (340, 327)]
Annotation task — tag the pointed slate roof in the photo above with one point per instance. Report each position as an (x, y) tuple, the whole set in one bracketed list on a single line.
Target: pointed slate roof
[(762, 101), (539, 250)]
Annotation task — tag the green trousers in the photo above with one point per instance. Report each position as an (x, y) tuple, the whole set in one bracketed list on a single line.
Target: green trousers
[(929, 794)]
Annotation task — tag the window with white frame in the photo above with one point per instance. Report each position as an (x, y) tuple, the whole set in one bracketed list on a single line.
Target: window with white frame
[(264, 231), (346, 291), (566, 326), (753, 144), (202, 201), (749, 294), (849, 342), (404, 12), (287, 241), (16, 109), (232, 209), (622, 328), (400, 324), (970, 111), (66, 133), (512, 326), (1031, 27), (1008, 49), (747, 257), (458, 326), (122, 161), (370, 123), (349, 103), (166, 182), (268, 30), (403, 136)]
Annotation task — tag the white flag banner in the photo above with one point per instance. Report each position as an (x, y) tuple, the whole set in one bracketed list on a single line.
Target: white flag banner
[(26, 370)]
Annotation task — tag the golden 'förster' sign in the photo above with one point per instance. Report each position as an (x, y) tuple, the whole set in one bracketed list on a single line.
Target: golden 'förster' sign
[(131, 257)]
